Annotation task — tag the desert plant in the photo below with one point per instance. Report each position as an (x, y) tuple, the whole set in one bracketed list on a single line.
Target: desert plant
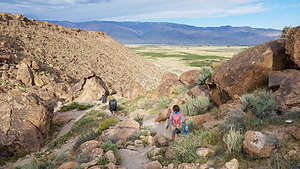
[(284, 31), (185, 148), (163, 103), (235, 120), (205, 73), (179, 89), (107, 123), (261, 104), (106, 146), (84, 138), (74, 105), (233, 140), (195, 106)]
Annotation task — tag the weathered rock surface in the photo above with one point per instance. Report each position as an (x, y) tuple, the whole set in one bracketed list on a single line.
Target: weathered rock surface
[(88, 146), (166, 87), (199, 120), (287, 86), (204, 152), (293, 44), (25, 74), (186, 166), (247, 70), (153, 165), (258, 145), (232, 164), (25, 122), (189, 77), (121, 131), (111, 157), (198, 91), (296, 132), (161, 140), (68, 165)]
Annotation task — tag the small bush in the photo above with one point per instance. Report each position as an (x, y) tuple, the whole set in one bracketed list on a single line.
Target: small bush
[(205, 73), (84, 138), (233, 140), (103, 161), (180, 89), (75, 105), (195, 106), (261, 104), (106, 146), (284, 32), (107, 123), (139, 119), (235, 120), (163, 103)]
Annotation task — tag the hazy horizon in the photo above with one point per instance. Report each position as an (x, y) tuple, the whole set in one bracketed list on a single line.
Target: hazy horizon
[(202, 13)]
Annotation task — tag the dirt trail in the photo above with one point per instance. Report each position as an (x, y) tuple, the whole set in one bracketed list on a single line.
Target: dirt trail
[(159, 128), (134, 159)]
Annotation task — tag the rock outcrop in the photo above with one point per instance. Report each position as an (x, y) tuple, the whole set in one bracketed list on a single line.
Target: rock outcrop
[(293, 45), (25, 122), (258, 145), (286, 84), (189, 77), (247, 70), (166, 87)]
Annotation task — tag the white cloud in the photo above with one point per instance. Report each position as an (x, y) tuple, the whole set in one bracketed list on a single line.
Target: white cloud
[(79, 10)]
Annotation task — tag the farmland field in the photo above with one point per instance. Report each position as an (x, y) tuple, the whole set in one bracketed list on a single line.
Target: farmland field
[(178, 59)]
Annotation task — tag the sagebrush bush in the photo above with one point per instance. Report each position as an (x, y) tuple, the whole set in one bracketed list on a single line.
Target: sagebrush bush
[(74, 105), (84, 138), (163, 103), (195, 106), (205, 73), (261, 104), (180, 89), (233, 140), (235, 120), (106, 146), (107, 123)]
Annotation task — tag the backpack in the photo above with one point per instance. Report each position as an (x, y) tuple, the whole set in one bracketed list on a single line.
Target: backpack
[(112, 105), (176, 119), (104, 98)]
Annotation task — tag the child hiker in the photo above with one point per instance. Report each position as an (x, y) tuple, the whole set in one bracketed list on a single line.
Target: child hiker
[(176, 119)]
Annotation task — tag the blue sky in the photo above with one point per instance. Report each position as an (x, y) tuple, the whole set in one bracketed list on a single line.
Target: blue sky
[(255, 13)]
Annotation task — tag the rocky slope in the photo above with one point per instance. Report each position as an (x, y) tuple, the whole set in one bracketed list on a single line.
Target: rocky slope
[(42, 64)]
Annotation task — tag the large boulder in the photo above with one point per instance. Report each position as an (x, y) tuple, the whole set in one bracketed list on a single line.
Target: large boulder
[(136, 90), (293, 44), (89, 89), (258, 145), (25, 122), (247, 70), (287, 86), (166, 87), (121, 131), (198, 91), (189, 77), (199, 120)]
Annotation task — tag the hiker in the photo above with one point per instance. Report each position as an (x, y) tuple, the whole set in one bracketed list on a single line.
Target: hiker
[(176, 119), (103, 99), (112, 105)]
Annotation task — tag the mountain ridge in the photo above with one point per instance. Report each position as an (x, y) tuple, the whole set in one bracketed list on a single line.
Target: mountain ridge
[(176, 34)]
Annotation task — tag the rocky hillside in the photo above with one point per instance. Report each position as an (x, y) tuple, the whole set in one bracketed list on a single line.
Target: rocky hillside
[(42, 65)]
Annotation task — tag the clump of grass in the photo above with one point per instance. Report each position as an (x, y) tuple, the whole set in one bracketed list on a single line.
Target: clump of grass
[(261, 104), (185, 148), (107, 123), (153, 112), (84, 138), (75, 105), (195, 106), (103, 161), (107, 146), (233, 140), (179, 89), (163, 103), (205, 73)]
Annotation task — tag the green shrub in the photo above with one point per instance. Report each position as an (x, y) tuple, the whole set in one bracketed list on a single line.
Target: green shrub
[(233, 140), (107, 146), (107, 123), (205, 73), (195, 106), (235, 120), (74, 105), (284, 31), (84, 138), (261, 104), (103, 161), (185, 148), (180, 89), (163, 103)]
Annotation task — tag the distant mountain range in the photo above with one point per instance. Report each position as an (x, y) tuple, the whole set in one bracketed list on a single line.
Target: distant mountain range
[(176, 34)]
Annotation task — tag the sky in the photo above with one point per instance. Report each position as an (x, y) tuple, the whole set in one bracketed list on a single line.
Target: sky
[(205, 13)]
